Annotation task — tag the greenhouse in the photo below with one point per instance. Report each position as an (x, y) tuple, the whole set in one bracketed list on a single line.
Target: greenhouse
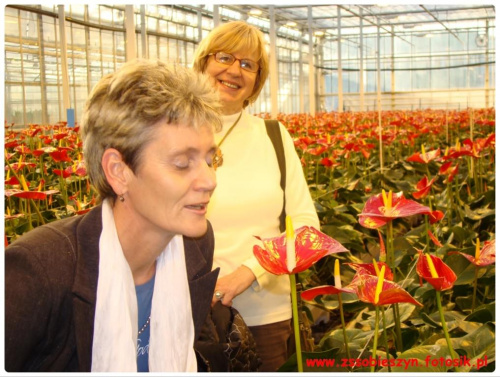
[(316, 182)]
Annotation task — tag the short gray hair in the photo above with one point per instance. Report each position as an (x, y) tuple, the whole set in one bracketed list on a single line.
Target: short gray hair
[(125, 106)]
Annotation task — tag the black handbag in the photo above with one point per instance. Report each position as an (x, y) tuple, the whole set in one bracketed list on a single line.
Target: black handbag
[(226, 343)]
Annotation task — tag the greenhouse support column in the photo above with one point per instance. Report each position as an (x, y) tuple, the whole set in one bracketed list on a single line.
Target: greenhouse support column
[(144, 35), (25, 112), (88, 54), (130, 45), (64, 57), (216, 16), (339, 62), (361, 64), (200, 29), (393, 72), (301, 76), (487, 68), (312, 94), (43, 75), (379, 101), (320, 83), (273, 63)]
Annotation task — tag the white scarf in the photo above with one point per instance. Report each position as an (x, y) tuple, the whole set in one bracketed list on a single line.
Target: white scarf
[(114, 348)]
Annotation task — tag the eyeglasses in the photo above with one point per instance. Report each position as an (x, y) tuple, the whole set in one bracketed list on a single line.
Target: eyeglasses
[(228, 59)]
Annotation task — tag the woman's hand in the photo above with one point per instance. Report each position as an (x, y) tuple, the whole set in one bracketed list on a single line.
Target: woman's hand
[(233, 284)]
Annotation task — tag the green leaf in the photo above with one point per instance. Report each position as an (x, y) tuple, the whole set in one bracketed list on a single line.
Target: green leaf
[(467, 276), (479, 213), (464, 303), (422, 359), (462, 234), (483, 314), (404, 186), (330, 302), (430, 321), (476, 345), (405, 311), (410, 337), (344, 234), (335, 339)]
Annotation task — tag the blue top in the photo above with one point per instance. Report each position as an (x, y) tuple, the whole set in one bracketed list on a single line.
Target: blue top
[(144, 294)]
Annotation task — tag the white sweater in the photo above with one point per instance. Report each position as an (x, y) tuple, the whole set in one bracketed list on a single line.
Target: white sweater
[(246, 203)]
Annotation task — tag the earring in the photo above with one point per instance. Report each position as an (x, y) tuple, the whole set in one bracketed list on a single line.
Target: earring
[(122, 199)]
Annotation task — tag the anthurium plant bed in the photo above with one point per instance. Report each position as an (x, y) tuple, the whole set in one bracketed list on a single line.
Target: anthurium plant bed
[(407, 196)]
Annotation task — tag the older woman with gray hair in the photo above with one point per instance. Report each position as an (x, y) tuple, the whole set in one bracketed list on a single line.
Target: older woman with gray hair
[(128, 286)]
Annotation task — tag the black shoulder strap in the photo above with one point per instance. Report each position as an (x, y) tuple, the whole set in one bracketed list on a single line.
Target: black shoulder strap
[(274, 133)]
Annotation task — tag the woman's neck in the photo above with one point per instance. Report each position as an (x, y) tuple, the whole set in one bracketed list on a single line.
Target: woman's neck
[(229, 111), (140, 247)]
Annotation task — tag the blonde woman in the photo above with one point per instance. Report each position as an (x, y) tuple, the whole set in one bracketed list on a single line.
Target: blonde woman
[(249, 199)]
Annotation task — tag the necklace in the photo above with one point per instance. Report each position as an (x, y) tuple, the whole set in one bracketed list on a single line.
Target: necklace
[(144, 326), (218, 158)]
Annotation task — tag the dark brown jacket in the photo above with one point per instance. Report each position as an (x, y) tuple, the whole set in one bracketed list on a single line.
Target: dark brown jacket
[(50, 293)]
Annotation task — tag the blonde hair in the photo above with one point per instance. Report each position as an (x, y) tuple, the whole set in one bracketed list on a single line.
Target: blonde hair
[(232, 37), (126, 106)]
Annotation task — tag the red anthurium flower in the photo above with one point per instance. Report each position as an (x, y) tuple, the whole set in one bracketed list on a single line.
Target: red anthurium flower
[(365, 152), (19, 165), (458, 151), (423, 188), (444, 276), (8, 155), (11, 144), (310, 246), (36, 195), (383, 253), (380, 209), (60, 155), (32, 131), (483, 257), (46, 139), (434, 239), (22, 149), (447, 169), (79, 168), (436, 216), (364, 270), (311, 294), (12, 217), (26, 193), (328, 162), (326, 141), (305, 140), (424, 157), (60, 136), (351, 147), (478, 145), (62, 173), (391, 292), (69, 170), (369, 269), (317, 151), (12, 181), (38, 152), (486, 122), (82, 207)]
